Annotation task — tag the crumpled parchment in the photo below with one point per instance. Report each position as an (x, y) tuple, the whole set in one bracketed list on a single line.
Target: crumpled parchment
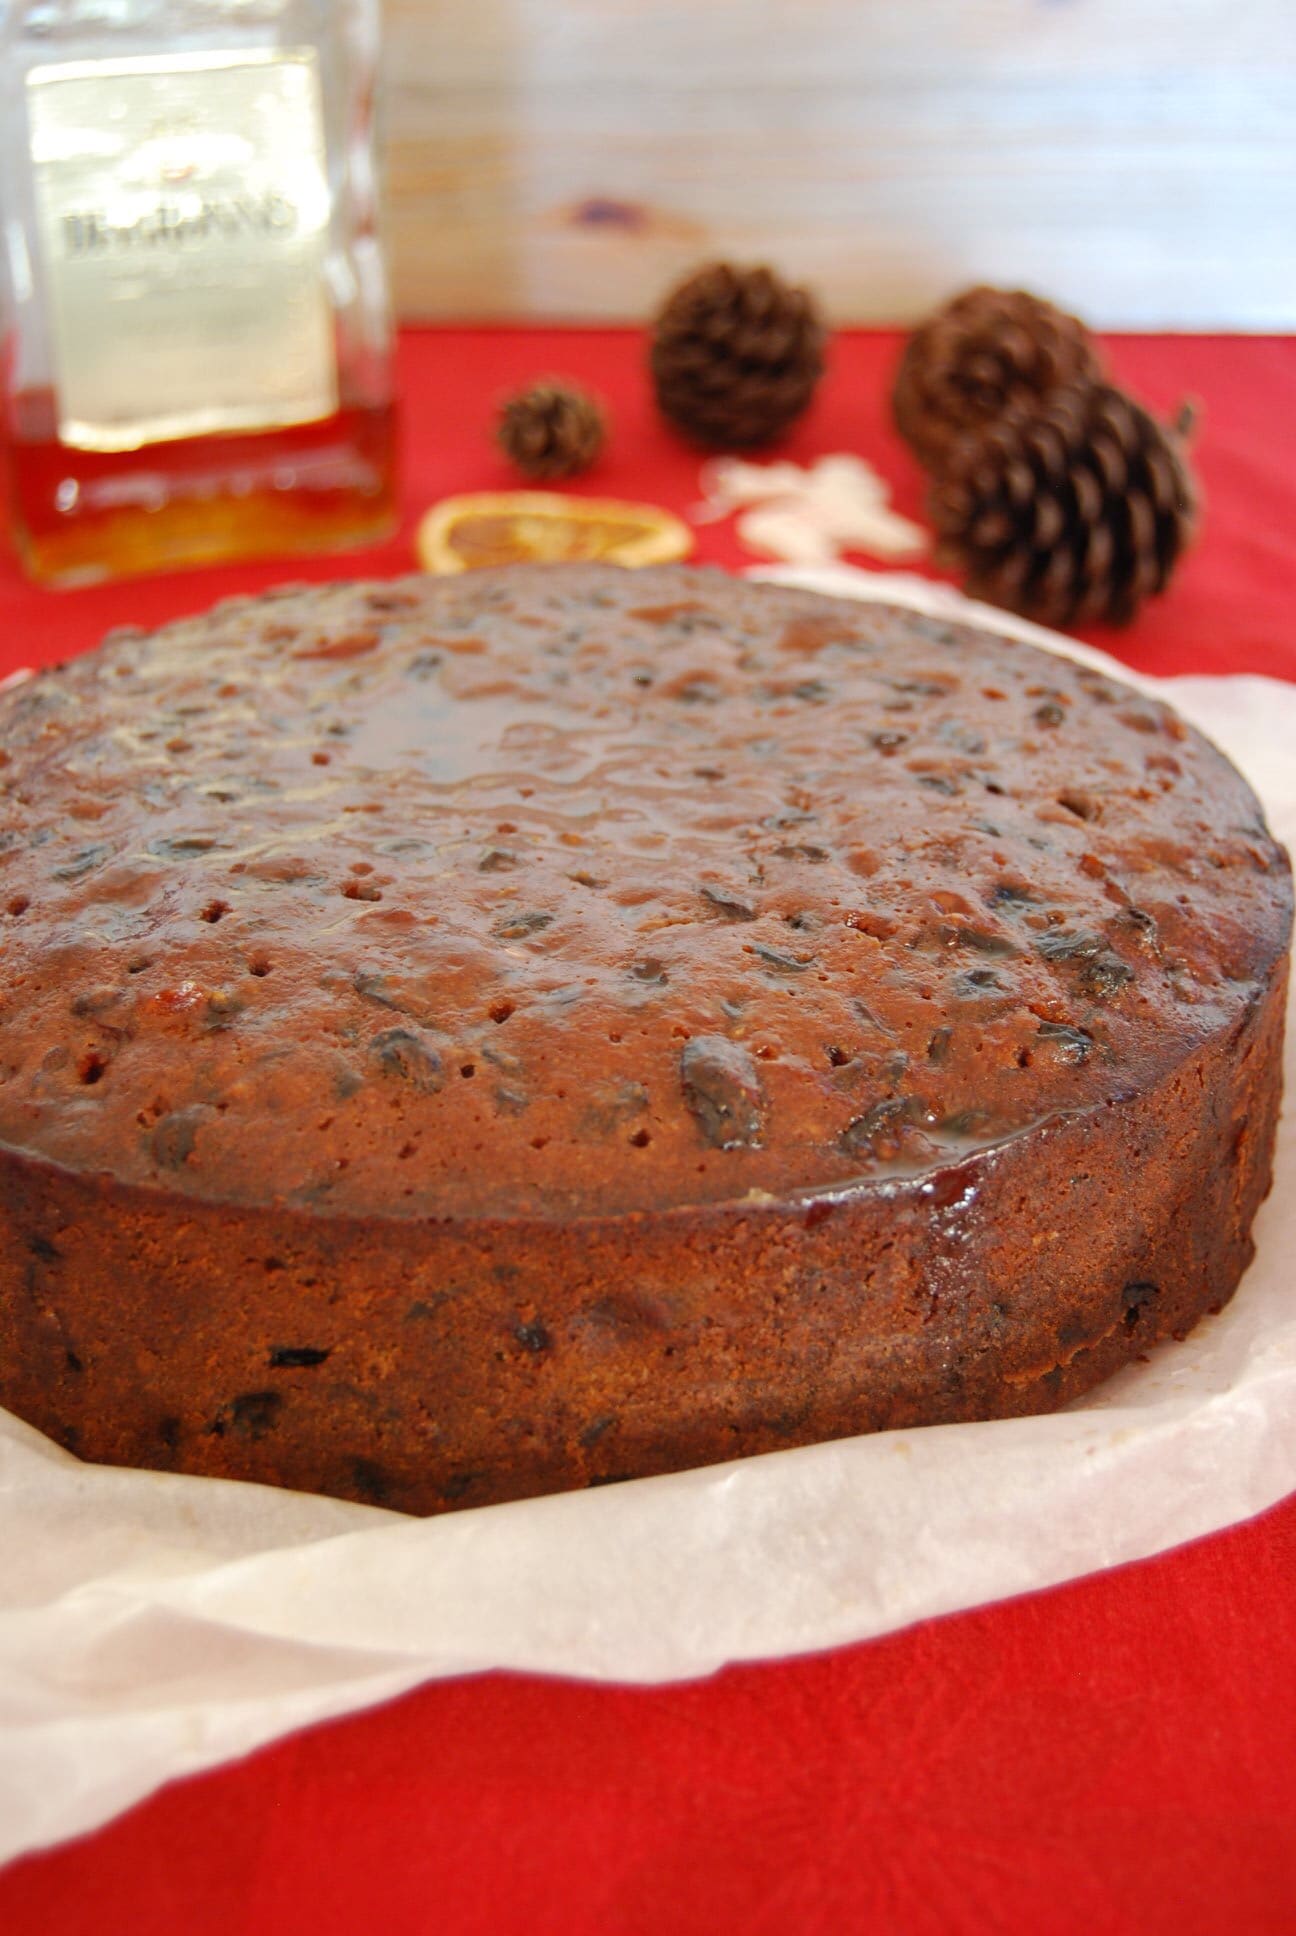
[(153, 1625)]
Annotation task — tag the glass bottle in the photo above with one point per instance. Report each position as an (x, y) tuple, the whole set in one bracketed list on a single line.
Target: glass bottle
[(195, 360)]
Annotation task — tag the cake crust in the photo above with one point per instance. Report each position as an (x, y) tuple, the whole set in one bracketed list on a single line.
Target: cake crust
[(460, 1040)]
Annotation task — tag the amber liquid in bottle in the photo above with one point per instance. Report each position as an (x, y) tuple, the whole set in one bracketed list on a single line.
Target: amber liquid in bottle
[(82, 515), (195, 345)]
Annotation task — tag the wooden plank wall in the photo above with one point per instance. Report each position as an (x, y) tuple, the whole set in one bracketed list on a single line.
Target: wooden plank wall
[(568, 158)]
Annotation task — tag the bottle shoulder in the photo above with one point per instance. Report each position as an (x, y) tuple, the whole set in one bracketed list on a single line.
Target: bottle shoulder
[(36, 31)]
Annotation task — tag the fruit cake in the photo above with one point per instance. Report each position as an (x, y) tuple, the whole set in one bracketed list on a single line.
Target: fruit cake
[(468, 1038)]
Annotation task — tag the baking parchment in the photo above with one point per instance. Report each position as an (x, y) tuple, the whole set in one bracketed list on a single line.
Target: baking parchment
[(152, 1625)]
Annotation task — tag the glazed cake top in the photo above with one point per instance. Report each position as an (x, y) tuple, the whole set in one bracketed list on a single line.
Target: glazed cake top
[(570, 890)]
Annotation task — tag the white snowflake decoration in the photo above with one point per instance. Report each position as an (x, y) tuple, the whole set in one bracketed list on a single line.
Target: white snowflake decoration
[(809, 516)]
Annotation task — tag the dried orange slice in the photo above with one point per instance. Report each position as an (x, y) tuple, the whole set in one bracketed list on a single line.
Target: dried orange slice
[(543, 527)]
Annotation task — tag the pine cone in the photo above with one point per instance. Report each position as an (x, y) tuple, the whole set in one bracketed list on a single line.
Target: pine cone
[(736, 355), (986, 353), (1079, 509), (552, 429)]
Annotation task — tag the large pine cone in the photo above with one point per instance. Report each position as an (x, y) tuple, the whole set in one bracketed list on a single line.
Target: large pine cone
[(987, 353), (736, 355), (551, 430), (1077, 510)]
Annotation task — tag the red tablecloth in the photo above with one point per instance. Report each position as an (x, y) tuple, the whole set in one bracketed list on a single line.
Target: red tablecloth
[(1114, 1756)]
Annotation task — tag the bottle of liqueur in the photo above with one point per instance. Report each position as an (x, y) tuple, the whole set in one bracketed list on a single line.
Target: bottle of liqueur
[(195, 355)]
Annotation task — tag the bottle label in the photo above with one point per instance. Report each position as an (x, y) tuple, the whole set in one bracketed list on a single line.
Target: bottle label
[(183, 212)]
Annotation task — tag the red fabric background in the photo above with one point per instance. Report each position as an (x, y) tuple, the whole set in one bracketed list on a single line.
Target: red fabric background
[(1118, 1755)]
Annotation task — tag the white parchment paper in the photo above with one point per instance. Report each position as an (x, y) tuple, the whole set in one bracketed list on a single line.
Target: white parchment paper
[(152, 1625)]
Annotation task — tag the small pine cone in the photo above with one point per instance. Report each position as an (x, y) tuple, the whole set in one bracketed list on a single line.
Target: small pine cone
[(736, 355), (551, 430), (1077, 510), (987, 353)]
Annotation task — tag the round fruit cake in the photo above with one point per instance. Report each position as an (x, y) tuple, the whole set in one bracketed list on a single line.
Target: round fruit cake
[(467, 1038)]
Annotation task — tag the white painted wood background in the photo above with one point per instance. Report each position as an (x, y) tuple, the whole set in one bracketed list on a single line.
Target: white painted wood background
[(568, 158)]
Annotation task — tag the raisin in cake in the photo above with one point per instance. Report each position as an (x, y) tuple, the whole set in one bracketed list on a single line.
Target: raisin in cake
[(467, 1038)]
